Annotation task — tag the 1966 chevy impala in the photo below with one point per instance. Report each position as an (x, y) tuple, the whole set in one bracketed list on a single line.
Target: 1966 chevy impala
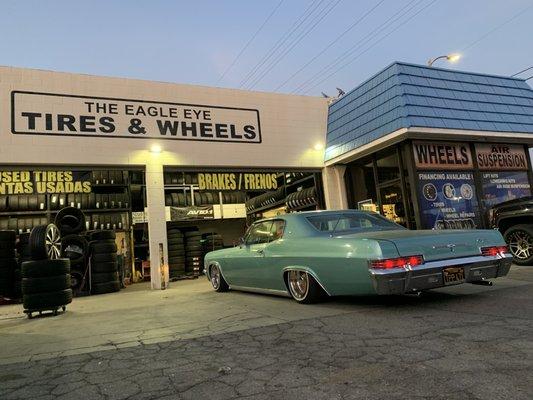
[(311, 254)]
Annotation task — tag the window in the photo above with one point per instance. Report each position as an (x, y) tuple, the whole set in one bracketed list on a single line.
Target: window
[(259, 233), (351, 222), (276, 231)]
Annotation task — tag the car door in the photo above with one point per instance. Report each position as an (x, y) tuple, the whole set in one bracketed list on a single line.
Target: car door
[(245, 262), (270, 266)]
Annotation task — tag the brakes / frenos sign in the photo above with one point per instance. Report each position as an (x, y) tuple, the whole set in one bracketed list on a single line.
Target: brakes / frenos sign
[(84, 116)]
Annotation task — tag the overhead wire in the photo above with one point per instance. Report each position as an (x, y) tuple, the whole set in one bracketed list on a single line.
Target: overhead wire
[(371, 46), (352, 26), (308, 29), (398, 14), (284, 37), (524, 70), (230, 66)]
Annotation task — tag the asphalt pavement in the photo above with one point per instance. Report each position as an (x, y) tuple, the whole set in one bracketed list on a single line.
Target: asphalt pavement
[(462, 342)]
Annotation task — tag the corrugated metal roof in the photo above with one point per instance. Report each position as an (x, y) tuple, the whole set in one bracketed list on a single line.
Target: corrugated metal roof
[(407, 95)]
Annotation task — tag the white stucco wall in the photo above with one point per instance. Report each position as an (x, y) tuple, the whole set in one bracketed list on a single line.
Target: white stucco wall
[(290, 127)]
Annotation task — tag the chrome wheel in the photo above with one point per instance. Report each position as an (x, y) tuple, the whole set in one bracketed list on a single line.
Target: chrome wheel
[(215, 277), (53, 242), (298, 284), (520, 244)]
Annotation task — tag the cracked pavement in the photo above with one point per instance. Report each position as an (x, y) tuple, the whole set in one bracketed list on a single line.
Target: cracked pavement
[(463, 342)]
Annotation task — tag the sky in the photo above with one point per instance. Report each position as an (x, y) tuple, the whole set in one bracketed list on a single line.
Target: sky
[(299, 46)]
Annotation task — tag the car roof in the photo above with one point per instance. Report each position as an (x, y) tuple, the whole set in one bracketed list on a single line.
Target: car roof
[(302, 214)]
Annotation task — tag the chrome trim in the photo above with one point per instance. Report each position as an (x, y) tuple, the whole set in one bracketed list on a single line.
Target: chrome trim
[(260, 290), (286, 269)]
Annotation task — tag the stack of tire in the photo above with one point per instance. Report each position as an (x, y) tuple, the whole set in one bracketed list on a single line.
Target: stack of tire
[(211, 242), (265, 199), (71, 223), (45, 278), (301, 199), (176, 253), (193, 252), (104, 266), (9, 269)]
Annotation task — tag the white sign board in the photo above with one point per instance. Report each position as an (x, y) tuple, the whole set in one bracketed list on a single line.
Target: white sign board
[(84, 116)]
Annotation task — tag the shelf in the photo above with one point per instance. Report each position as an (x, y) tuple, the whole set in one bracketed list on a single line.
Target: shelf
[(108, 185), (16, 213), (181, 187), (267, 207), (100, 210), (299, 181)]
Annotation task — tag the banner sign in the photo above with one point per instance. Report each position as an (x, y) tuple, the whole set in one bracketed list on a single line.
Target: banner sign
[(237, 181), (191, 212), (448, 200), (84, 116), (500, 157), (440, 155), (503, 186), (41, 182)]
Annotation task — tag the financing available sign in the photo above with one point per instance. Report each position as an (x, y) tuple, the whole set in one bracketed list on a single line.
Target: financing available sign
[(85, 116)]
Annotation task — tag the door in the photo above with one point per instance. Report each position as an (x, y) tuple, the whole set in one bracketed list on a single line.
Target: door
[(270, 267), (245, 262)]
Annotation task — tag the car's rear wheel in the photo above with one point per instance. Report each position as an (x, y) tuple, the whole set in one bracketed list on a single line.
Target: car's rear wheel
[(520, 241), (303, 287), (217, 280)]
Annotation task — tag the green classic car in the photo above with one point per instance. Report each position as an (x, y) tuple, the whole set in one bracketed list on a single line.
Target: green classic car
[(311, 254)]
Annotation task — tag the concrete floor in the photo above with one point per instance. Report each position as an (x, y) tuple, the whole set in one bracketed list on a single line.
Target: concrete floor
[(462, 342)]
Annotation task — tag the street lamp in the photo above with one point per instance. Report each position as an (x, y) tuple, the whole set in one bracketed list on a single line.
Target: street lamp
[(450, 57)]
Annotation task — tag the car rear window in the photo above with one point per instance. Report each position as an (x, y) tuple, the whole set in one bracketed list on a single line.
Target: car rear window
[(351, 222)]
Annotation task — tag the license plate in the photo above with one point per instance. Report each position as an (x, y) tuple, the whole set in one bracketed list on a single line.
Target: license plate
[(453, 276)]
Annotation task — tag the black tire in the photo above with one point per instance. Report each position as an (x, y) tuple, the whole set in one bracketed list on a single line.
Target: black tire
[(219, 285), (103, 247), (106, 287), (176, 243), (46, 284), (175, 199), (76, 280), (8, 236), (7, 246), (103, 277), (104, 267), (3, 203), (45, 242), (70, 220), (43, 301), (8, 253), (194, 247), (176, 253), (104, 257), (74, 247), (520, 241), (33, 202), (103, 235), (45, 268), (313, 294)]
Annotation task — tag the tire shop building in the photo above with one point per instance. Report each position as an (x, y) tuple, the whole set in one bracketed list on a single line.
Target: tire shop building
[(431, 148), (175, 170)]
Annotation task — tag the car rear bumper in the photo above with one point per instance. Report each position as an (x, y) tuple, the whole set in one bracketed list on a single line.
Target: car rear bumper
[(430, 275)]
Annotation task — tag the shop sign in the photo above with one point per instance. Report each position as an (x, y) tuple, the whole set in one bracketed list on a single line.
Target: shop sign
[(192, 212), (440, 155), (42, 182), (237, 181), (500, 157), (447, 200), (503, 186), (82, 116)]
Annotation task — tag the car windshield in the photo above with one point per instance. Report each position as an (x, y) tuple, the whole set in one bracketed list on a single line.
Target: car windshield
[(351, 222)]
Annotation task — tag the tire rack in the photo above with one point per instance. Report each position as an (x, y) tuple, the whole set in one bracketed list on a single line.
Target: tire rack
[(46, 213)]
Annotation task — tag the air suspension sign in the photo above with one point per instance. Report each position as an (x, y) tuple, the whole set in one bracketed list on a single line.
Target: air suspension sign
[(35, 113)]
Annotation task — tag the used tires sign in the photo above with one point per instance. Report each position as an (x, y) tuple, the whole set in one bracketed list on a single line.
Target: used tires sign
[(69, 115)]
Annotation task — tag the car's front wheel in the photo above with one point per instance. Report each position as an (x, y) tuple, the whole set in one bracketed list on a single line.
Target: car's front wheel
[(520, 241), (303, 287), (217, 280)]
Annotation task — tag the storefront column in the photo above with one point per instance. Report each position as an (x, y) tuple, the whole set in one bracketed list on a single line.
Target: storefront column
[(335, 187), (157, 230)]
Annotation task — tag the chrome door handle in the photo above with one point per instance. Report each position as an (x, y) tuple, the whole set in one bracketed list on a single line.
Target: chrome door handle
[(261, 252)]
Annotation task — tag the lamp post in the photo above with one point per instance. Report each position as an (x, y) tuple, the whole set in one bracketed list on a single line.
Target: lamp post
[(450, 57)]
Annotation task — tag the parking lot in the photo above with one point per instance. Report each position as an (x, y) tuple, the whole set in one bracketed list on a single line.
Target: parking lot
[(463, 342)]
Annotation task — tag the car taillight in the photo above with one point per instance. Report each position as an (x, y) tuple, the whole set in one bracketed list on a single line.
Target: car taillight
[(494, 250), (400, 262)]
